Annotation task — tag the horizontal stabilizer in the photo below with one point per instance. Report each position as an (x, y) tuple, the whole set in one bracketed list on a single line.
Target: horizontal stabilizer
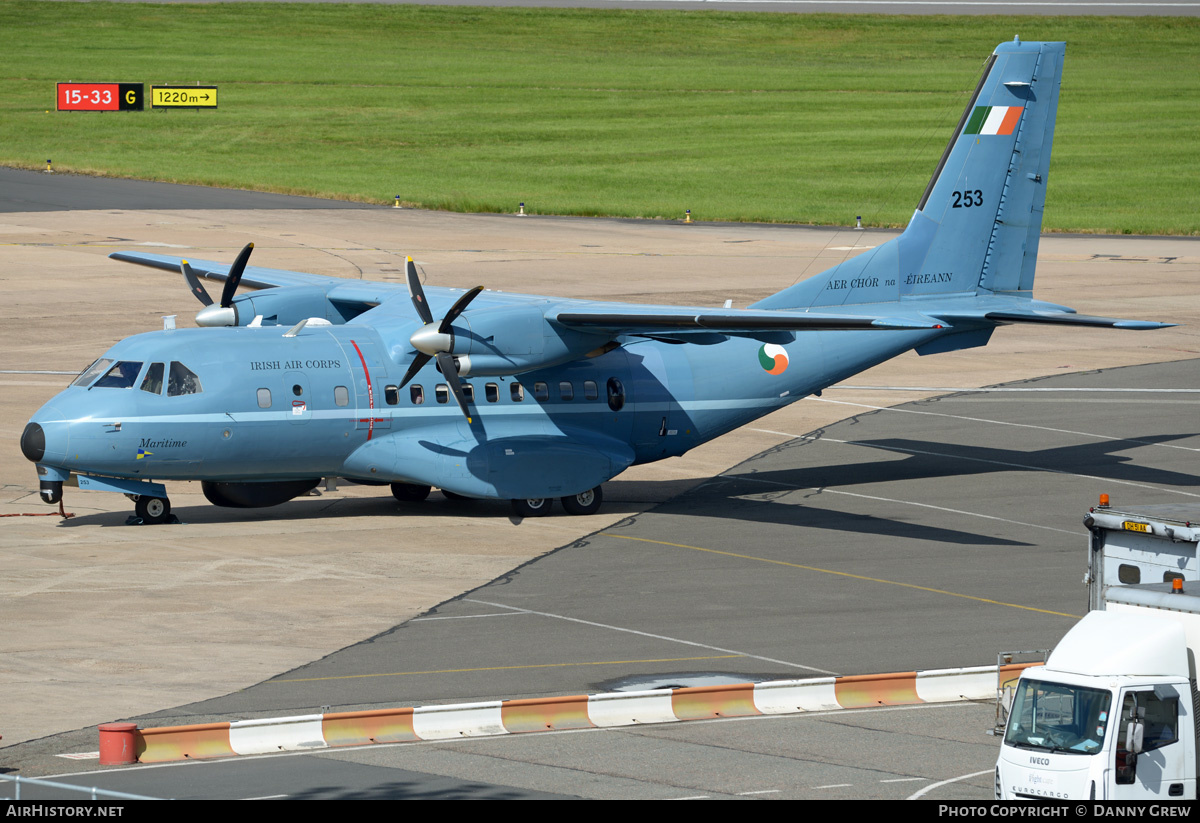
[(1057, 318)]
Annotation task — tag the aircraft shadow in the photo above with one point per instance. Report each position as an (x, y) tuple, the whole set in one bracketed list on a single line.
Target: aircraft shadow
[(749, 491)]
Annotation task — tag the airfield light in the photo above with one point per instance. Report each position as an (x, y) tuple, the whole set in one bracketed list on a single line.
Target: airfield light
[(48, 169), (521, 210), (687, 215), (858, 222), (396, 205)]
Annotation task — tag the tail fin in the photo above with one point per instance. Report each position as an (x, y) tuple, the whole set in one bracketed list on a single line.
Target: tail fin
[(977, 227)]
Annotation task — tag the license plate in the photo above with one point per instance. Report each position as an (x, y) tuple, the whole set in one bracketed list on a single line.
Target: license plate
[(1131, 526)]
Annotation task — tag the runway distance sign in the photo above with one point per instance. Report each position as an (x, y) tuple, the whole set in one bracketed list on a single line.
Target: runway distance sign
[(183, 97), (101, 97)]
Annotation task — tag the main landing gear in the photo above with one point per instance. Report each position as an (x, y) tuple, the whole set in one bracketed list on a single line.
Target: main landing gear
[(587, 502)]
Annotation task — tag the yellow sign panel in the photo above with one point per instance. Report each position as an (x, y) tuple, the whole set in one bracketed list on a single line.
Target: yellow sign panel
[(183, 97), (1134, 526)]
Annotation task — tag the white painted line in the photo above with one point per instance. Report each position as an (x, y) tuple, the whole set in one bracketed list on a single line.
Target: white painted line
[(467, 616), (827, 490), (834, 786), (80, 756), (764, 791), (1013, 389), (941, 783), (1007, 465), (654, 636), (1007, 423), (904, 780)]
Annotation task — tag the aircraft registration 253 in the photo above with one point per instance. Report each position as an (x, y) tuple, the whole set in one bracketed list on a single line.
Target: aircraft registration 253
[(531, 398)]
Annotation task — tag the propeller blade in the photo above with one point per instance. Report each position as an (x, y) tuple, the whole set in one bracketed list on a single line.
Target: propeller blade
[(418, 363), (416, 292), (235, 276), (450, 372), (458, 308), (194, 283)]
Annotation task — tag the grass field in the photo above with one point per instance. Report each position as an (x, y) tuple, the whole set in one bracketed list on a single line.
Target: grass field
[(772, 117)]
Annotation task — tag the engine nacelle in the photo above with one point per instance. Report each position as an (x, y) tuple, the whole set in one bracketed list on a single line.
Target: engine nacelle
[(286, 306)]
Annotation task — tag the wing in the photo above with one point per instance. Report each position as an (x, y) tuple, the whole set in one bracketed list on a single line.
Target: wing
[(617, 318), (364, 292)]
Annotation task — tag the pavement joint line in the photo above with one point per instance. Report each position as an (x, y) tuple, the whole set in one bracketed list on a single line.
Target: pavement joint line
[(507, 668), (733, 652), (845, 574), (1022, 466), (1007, 423), (824, 490)]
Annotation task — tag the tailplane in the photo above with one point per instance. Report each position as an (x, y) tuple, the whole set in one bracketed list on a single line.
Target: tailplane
[(977, 226)]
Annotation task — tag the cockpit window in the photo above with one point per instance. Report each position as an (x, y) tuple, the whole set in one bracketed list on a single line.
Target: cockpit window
[(182, 381), (120, 376), (153, 380), (92, 372)]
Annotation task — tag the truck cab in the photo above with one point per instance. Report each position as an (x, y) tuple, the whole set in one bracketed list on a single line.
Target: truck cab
[(1112, 714)]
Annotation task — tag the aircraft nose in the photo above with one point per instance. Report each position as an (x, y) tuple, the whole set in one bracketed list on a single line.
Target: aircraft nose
[(33, 443)]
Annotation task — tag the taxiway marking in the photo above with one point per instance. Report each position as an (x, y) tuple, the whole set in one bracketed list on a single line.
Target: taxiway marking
[(844, 574)]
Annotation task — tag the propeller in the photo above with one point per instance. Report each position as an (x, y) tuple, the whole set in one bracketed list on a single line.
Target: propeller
[(436, 341), (222, 314)]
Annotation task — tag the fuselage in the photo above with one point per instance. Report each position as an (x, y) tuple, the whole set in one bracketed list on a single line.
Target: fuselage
[(263, 406)]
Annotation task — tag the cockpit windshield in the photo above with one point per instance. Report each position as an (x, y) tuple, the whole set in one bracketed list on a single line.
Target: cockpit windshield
[(121, 376), (1058, 717), (92, 372)]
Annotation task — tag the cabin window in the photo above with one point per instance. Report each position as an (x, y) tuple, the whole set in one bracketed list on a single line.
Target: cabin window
[(541, 392), (341, 396), (590, 392), (182, 380), (391, 395), (264, 398), (92, 372), (120, 376), (442, 392), (1161, 723), (416, 394), (1129, 575), (153, 381), (517, 392), (616, 394), (491, 392), (566, 390), (468, 392), (297, 389)]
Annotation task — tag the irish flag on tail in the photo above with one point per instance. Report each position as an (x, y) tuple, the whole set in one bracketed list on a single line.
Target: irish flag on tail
[(993, 120)]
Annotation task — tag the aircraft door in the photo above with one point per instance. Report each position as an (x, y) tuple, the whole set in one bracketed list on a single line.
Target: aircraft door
[(655, 412), (368, 369)]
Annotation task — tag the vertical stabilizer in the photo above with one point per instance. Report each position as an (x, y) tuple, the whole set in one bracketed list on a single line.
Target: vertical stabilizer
[(977, 226)]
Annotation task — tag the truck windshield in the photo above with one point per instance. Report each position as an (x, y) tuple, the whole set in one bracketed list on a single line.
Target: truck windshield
[(1058, 717)]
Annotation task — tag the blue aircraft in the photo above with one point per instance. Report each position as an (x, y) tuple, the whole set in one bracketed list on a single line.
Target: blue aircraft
[(528, 398)]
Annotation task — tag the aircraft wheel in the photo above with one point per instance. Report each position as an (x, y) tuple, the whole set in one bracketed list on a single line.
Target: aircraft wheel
[(409, 492), (532, 507), (153, 510), (587, 502)]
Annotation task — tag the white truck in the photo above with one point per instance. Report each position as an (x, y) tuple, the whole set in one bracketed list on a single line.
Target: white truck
[(1114, 714)]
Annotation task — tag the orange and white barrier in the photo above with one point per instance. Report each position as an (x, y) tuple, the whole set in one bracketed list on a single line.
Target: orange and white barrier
[(319, 731)]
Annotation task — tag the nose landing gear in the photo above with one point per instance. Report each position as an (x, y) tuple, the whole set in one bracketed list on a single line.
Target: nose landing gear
[(152, 510)]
